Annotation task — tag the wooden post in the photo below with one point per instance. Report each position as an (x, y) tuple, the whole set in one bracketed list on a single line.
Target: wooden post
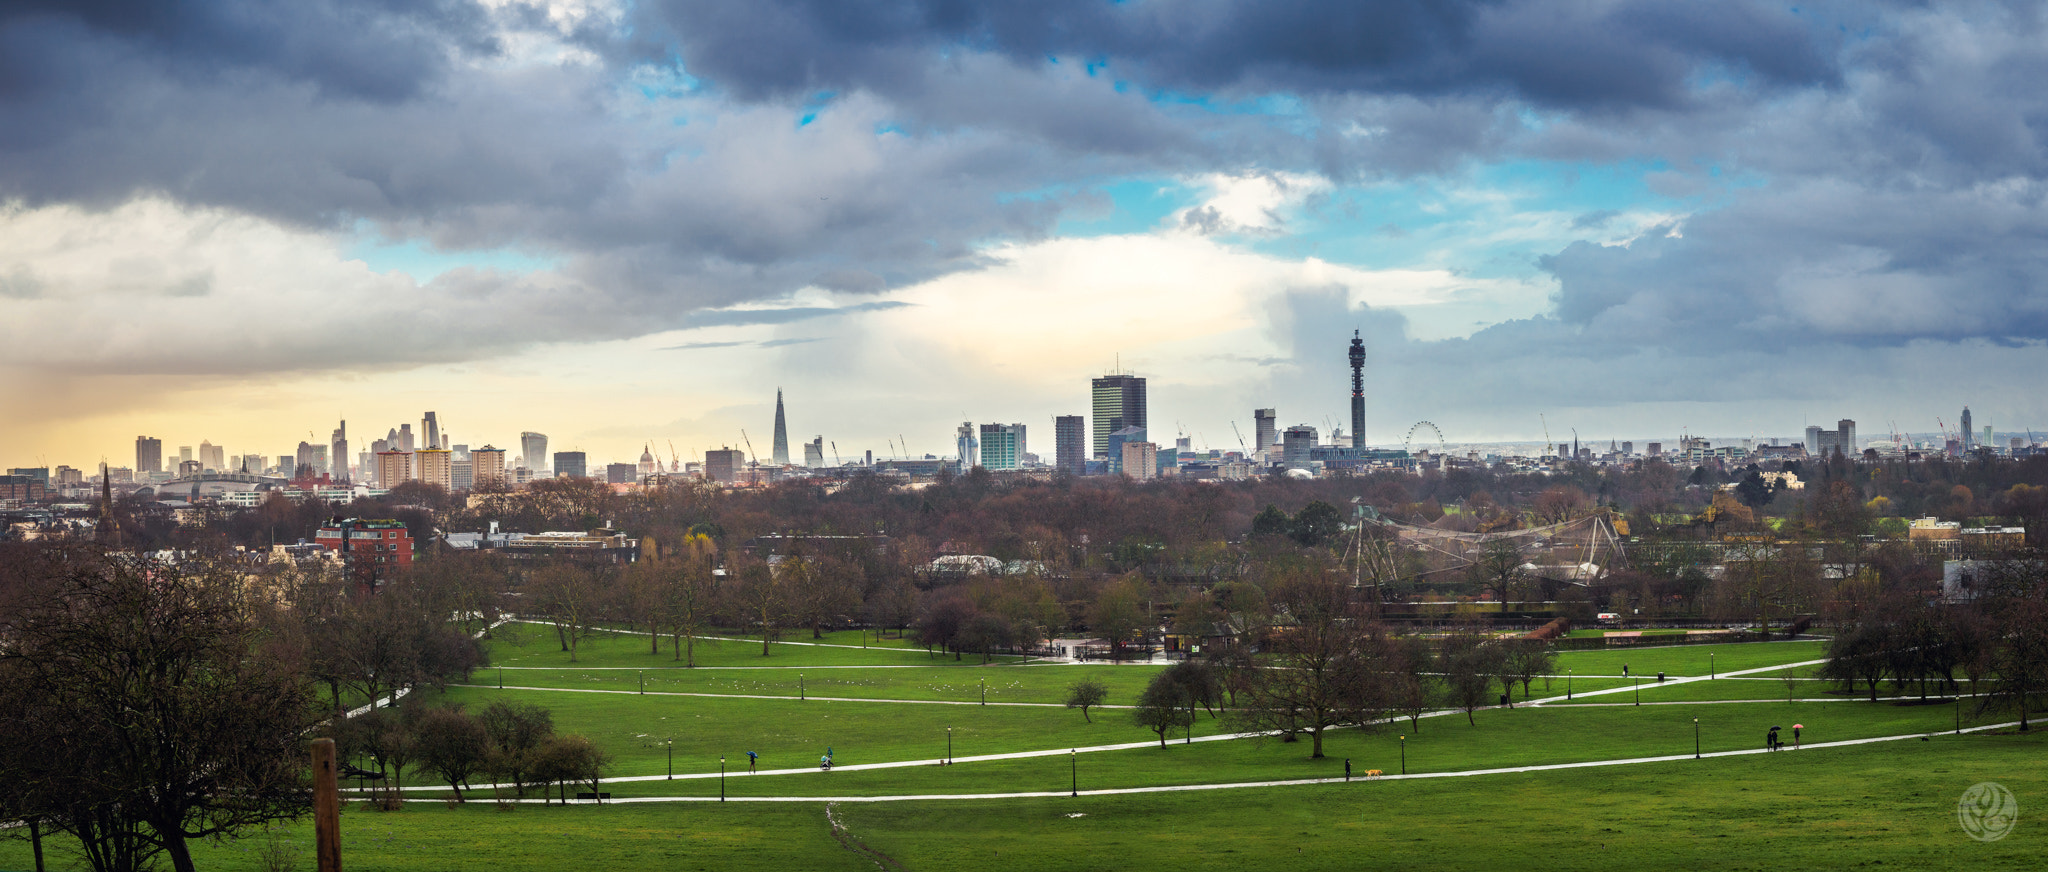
[(35, 840), (326, 807)]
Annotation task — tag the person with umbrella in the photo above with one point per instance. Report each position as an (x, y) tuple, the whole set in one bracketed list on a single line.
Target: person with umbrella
[(1771, 739), (1795, 735)]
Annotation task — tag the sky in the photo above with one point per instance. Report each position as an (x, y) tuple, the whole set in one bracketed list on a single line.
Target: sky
[(630, 223)]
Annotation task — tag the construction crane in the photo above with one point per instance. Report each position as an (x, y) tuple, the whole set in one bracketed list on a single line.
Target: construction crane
[(1546, 432), (835, 454), (675, 461), (905, 445), (1240, 439), (751, 459)]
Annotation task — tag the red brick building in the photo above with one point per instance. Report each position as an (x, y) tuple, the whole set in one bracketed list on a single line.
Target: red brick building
[(373, 545)]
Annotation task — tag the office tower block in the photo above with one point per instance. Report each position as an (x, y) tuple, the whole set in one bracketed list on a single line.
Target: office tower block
[(781, 448), (1002, 446), (1299, 442), (1119, 402), (430, 429), (1968, 436), (1119, 439), (621, 473), (461, 473), (435, 466), (568, 464), (338, 449), (212, 458), (723, 465), (393, 467), (149, 455), (1357, 391), (966, 445), (487, 465), (533, 451), (814, 453), (1140, 460), (185, 455), (1070, 444), (1265, 429), (405, 438)]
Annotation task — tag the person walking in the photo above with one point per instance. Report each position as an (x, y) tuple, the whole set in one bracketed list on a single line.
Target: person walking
[(1771, 740), (1795, 735), (1624, 670), (753, 761), (1347, 769)]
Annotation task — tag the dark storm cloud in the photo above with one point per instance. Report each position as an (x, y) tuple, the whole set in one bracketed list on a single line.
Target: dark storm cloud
[(1612, 55), (371, 49)]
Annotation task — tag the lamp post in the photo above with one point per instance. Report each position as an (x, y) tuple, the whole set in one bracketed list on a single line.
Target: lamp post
[(721, 778), (984, 691), (1567, 685), (671, 745), (800, 686), (1711, 672), (1074, 772), (643, 682), (1639, 690), (949, 746), (1695, 738), (1404, 755), (501, 678), (1959, 715)]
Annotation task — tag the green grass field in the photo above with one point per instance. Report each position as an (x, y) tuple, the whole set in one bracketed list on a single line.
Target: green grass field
[(1891, 803)]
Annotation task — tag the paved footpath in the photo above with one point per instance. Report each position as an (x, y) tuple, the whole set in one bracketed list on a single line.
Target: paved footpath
[(1179, 788)]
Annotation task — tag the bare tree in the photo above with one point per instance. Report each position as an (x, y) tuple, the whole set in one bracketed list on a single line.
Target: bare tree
[(454, 744), (1328, 670), (141, 705)]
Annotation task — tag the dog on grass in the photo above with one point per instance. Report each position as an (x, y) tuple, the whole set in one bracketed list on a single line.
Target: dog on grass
[(1373, 773)]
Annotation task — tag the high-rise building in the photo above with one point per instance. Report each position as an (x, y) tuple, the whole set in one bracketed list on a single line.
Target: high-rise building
[(1357, 391), (814, 453), (781, 449), (966, 445), (621, 473), (723, 465), (1298, 443), (311, 460), (1968, 436), (461, 451), (1822, 443), (486, 465), (461, 473), (405, 442), (568, 464), (213, 458), (1070, 444), (1118, 440), (434, 466), (1002, 446), (339, 449), (185, 455), (1140, 460), (1265, 429), (149, 455), (533, 451), (1119, 403), (430, 428), (393, 467)]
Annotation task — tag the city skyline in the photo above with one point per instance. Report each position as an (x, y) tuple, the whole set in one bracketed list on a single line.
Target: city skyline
[(1616, 218)]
